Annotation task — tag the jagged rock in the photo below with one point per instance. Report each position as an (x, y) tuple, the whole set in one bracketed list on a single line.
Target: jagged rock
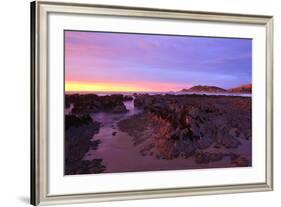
[(205, 158), (119, 109), (86, 167), (236, 133), (143, 101), (201, 158), (233, 156), (229, 142), (127, 98), (78, 134), (94, 144), (76, 121), (91, 103), (194, 122), (204, 142), (241, 162), (225, 139), (185, 148), (214, 157)]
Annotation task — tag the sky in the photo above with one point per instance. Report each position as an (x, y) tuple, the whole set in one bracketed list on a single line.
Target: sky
[(99, 61)]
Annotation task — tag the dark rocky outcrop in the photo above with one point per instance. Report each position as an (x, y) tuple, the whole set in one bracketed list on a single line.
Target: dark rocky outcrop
[(76, 121), (206, 157), (79, 131), (127, 98), (91, 103), (119, 109), (187, 125), (241, 162), (209, 89), (86, 167), (94, 144)]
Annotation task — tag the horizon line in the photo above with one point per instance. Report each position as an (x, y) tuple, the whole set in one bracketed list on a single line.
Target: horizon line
[(120, 91), (169, 91)]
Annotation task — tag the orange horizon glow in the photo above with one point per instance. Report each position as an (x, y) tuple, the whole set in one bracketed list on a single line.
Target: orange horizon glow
[(71, 86)]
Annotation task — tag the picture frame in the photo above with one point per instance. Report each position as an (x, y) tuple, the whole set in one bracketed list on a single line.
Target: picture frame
[(40, 93)]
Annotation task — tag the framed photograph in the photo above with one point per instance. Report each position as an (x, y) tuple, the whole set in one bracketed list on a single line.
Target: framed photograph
[(134, 103)]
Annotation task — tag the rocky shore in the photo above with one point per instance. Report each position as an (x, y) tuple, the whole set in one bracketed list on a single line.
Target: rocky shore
[(92, 103), (79, 131), (142, 132), (207, 129)]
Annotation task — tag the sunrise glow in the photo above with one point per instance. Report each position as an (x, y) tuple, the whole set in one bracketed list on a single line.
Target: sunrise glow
[(119, 87), (100, 87), (99, 61)]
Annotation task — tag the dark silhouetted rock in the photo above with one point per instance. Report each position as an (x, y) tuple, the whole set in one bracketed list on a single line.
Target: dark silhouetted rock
[(194, 122), (79, 131), (86, 167), (119, 109), (206, 157), (128, 98), (241, 162), (94, 144), (76, 121), (91, 103), (209, 89)]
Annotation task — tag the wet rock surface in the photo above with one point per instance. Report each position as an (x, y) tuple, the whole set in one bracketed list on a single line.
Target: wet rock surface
[(156, 132), (87, 167), (92, 103), (79, 131), (205, 158), (205, 128)]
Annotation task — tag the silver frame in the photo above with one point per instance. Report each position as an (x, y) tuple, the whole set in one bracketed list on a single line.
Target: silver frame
[(39, 100)]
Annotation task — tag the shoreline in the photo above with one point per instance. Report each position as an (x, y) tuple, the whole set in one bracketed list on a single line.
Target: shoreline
[(106, 93), (168, 132)]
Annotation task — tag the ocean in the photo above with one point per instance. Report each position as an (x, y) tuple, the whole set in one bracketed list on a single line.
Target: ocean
[(162, 93)]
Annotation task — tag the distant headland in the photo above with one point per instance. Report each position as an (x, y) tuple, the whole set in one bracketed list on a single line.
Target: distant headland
[(246, 88)]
